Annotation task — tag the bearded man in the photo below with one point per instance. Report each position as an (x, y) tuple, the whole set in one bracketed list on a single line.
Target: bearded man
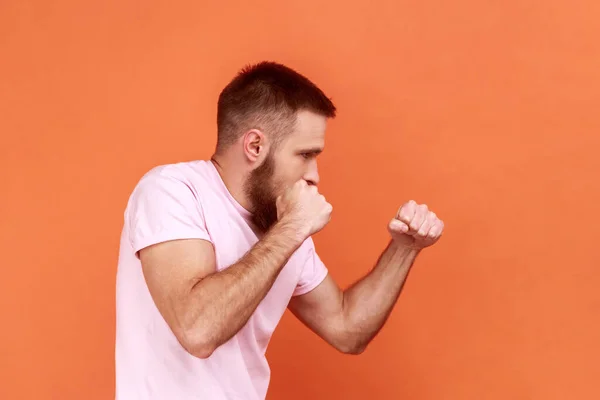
[(214, 251)]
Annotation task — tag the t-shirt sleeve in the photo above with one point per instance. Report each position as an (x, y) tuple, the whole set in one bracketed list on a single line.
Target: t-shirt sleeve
[(313, 273), (164, 208)]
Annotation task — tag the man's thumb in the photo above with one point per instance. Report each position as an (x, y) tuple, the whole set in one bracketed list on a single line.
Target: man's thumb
[(398, 226)]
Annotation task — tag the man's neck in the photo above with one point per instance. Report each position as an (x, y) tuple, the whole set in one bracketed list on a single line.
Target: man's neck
[(232, 178)]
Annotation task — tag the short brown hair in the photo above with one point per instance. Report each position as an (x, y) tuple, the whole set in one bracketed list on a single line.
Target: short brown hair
[(267, 96)]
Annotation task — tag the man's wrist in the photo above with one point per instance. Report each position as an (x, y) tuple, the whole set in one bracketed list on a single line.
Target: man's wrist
[(407, 248), (291, 230)]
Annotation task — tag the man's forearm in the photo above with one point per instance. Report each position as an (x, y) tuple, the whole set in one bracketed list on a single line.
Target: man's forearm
[(368, 303), (220, 304)]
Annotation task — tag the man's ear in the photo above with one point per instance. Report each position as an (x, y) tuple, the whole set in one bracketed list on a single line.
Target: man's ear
[(255, 144)]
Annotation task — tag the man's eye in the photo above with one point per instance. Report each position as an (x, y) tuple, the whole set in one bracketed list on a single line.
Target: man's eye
[(305, 155)]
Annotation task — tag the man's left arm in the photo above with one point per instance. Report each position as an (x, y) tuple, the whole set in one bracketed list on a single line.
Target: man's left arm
[(350, 319)]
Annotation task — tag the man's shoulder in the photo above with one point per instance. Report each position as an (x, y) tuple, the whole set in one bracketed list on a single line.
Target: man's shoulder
[(185, 170), (196, 175), (176, 179)]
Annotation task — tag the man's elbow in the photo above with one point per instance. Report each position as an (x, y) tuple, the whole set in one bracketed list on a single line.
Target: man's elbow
[(354, 351), (352, 347), (201, 350), (197, 344)]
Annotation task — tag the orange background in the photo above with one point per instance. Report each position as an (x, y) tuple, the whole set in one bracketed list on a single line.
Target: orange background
[(486, 111)]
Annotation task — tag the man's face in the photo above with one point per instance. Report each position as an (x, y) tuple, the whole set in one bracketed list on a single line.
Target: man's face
[(295, 158)]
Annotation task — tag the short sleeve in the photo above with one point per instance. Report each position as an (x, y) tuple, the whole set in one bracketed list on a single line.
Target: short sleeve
[(314, 271), (164, 208)]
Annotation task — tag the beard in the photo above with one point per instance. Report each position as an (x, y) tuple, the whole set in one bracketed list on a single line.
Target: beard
[(260, 189)]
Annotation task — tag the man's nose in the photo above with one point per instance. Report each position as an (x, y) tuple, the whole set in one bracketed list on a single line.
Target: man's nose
[(312, 175)]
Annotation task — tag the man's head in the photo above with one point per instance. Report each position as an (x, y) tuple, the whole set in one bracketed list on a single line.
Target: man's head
[(273, 119)]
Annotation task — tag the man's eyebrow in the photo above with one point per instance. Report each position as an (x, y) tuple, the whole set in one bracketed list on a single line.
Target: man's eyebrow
[(313, 150)]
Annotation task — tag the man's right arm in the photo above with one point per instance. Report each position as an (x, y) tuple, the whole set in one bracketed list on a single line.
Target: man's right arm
[(205, 308)]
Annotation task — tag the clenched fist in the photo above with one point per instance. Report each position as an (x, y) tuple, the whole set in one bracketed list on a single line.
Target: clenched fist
[(415, 226), (304, 208)]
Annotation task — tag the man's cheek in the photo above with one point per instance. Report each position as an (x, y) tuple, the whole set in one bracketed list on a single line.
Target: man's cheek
[(285, 184)]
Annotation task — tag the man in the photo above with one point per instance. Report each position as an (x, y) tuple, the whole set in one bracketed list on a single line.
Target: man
[(213, 252)]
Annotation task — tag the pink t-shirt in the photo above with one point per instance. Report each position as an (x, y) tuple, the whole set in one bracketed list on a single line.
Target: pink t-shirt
[(189, 200)]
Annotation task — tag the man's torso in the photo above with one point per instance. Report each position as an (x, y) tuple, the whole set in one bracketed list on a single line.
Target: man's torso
[(189, 200)]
